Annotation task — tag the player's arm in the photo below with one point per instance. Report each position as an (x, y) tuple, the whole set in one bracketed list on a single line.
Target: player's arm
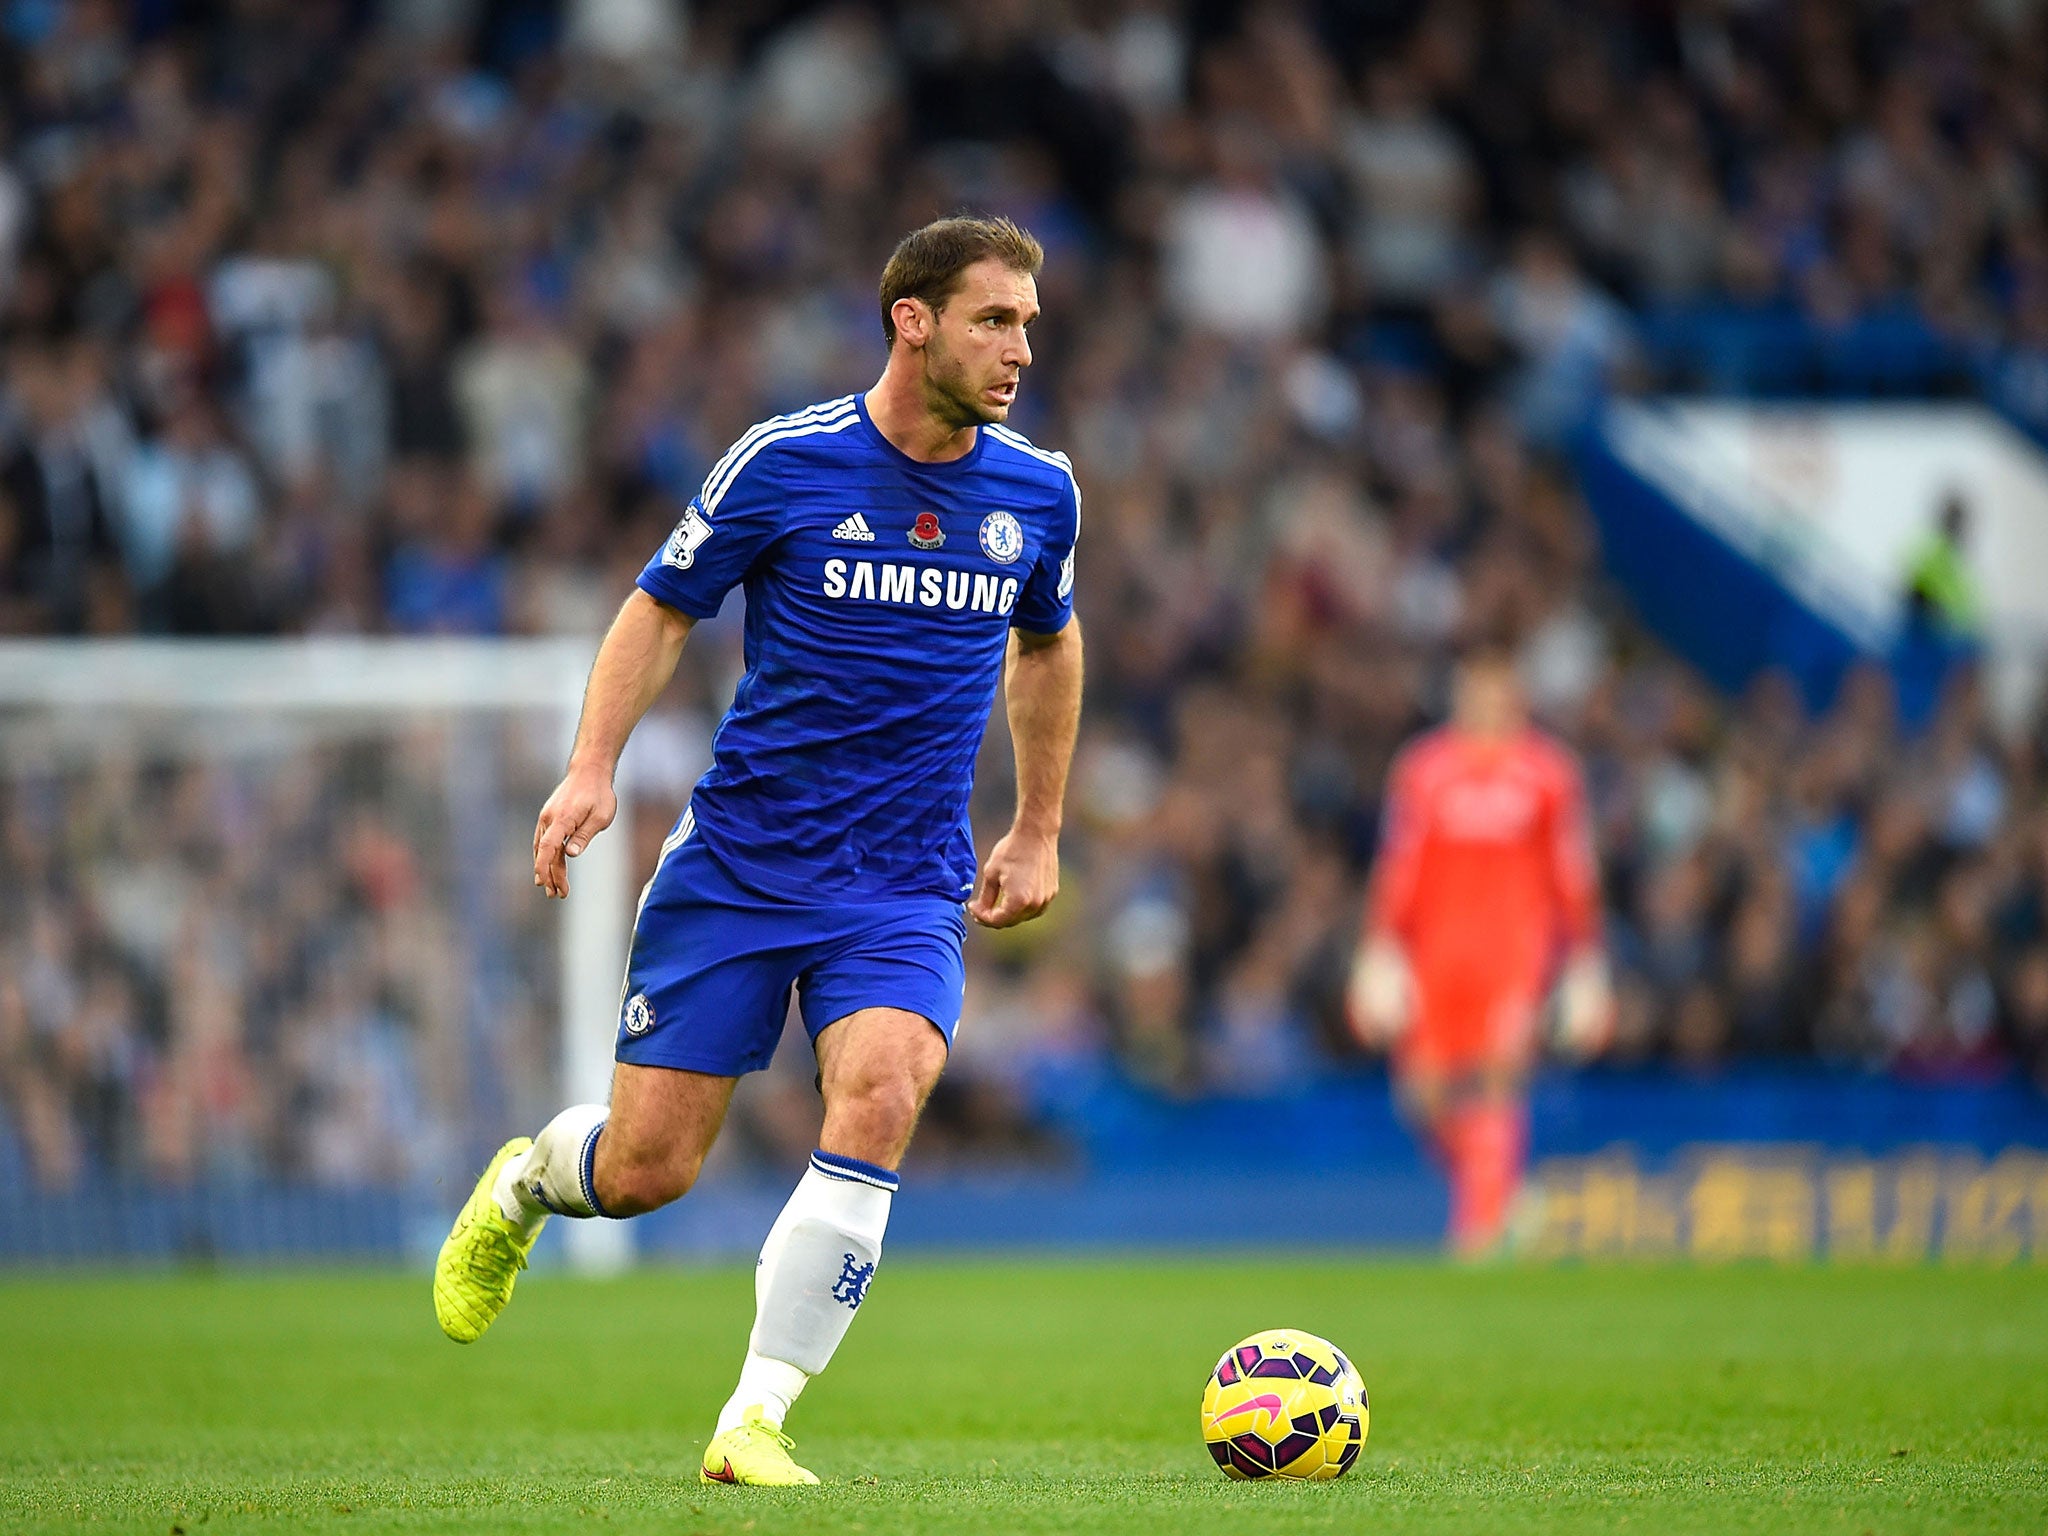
[(1381, 998), (725, 528), (1585, 995), (633, 665), (1042, 698)]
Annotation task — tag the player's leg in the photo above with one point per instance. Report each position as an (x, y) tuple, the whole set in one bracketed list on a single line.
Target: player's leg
[(1461, 1072), (591, 1160), (1465, 1133), (1425, 1057), (1489, 1129), (876, 1068), (1496, 1121), (1431, 1065), (881, 1002), (633, 1156), (707, 990), (1429, 1093), (706, 995), (1486, 1128)]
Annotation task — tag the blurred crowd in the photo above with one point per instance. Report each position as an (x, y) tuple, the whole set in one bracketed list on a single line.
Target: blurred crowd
[(333, 316), (249, 956)]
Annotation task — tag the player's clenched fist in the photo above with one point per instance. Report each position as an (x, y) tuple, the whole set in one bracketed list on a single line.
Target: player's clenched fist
[(1019, 881), (582, 806)]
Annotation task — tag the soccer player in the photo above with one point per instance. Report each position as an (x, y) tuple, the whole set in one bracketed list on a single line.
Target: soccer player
[(1485, 876), (902, 552)]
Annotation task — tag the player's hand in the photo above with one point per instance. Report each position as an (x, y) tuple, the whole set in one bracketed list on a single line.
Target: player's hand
[(582, 806), (1585, 1006), (1018, 880), (1381, 997)]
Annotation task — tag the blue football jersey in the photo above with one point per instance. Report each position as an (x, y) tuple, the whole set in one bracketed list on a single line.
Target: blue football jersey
[(880, 596)]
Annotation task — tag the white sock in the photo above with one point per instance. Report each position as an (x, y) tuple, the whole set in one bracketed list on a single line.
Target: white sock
[(814, 1273), (554, 1178), (769, 1385)]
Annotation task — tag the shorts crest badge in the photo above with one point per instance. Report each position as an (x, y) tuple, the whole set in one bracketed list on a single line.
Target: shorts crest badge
[(1002, 540), (639, 1014)]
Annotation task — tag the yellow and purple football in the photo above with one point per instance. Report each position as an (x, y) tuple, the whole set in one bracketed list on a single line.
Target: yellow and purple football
[(1284, 1404)]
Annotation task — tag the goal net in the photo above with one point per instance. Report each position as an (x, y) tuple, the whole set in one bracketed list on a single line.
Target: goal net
[(273, 973)]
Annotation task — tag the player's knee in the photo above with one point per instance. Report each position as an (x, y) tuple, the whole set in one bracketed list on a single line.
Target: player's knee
[(876, 1116), (634, 1182), (893, 1103)]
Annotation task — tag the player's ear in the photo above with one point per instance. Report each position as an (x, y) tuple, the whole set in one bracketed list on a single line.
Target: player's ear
[(914, 321)]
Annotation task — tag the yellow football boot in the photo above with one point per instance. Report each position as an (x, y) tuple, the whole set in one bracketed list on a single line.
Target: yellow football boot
[(482, 1258), (754, 1452)]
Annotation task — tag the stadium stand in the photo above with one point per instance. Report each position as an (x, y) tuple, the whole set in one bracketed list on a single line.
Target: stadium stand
[(433, 323)]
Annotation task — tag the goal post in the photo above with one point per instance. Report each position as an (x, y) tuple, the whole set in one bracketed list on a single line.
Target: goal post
[(62, 701)]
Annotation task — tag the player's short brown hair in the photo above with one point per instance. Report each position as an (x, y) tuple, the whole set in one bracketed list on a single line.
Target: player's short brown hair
[(927, 262)]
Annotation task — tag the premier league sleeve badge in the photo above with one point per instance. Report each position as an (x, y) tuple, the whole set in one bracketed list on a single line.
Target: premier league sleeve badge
[(1002, 539)]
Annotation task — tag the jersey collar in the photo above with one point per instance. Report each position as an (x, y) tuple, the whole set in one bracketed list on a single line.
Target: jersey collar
[(950, 466)]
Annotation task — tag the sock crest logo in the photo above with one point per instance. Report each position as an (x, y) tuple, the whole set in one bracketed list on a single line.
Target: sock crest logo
[(852, 1285)]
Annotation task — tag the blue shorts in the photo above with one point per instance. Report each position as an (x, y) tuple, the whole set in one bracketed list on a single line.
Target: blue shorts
[(708, 978)]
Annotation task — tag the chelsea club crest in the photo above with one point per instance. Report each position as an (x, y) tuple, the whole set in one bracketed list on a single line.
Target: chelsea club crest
[(639, 1014), (1002, 540)]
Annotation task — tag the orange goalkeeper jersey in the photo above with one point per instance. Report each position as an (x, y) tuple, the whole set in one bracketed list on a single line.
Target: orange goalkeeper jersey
[(1486, 864)]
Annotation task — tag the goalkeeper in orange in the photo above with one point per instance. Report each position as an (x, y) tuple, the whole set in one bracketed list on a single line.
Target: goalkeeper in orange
[(1483, 894)]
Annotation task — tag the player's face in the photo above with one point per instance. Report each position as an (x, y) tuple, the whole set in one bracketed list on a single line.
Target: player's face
[(979, 348), (1489, 698)]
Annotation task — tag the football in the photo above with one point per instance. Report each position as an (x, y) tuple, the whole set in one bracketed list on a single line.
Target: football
[(1284, 1404)]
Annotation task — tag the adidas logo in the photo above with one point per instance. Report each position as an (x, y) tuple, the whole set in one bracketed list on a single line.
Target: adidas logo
[(855, 528)]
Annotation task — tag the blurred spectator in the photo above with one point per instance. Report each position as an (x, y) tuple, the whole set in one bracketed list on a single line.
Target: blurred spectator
[(1241, 253), (191, 516), (62, 509), (1413, 188), (1940, 593), (522, 388), (1570, 337), (447, 576)]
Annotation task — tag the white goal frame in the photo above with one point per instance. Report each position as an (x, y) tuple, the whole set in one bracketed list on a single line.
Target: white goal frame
[(397, 678)]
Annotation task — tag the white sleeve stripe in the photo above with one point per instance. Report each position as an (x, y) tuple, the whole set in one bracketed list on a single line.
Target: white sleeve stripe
[(721, 472), (823, 408), (712, 490), (738, 446), (809, 429)]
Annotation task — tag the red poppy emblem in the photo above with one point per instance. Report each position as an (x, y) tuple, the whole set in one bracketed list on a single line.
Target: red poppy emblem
[(926, 532)]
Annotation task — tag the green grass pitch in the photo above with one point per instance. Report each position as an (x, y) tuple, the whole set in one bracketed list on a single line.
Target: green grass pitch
[(1030, 1396)]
